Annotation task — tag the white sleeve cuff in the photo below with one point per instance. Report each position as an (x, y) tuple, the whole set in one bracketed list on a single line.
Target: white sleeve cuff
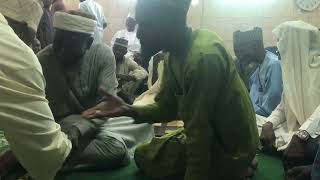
[(311, 127)]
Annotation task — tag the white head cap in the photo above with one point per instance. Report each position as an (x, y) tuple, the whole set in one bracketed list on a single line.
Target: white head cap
[(74, 23), (29, 11)]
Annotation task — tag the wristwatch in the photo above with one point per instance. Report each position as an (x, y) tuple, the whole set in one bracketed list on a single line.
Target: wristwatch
[(303, 135)]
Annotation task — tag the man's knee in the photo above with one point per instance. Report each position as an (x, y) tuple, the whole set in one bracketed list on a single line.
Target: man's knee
[(112, 146), (107, 151)]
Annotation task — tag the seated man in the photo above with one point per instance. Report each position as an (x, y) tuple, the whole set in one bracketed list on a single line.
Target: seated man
[(201, 87), (266, 82), (130, 34), (74, 70), (36, 141), (129, 73), (294, 125)]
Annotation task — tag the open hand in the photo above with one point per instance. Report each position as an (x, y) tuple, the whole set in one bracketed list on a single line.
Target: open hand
[(111, 107)]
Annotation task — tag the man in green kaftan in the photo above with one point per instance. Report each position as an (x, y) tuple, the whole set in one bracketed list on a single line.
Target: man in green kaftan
[(200, 86), (74, 70)]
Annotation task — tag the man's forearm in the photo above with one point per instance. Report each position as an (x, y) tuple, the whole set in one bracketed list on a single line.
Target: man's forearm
[(152, 113)]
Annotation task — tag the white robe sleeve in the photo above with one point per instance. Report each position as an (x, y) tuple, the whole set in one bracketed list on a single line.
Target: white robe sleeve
[(150, 70), (26, 119), (277, 117), (312, 125), (135, 70)]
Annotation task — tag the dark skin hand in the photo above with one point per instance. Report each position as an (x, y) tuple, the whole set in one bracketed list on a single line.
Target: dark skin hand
[(267, 137), (74, 135), (124, 77), (111, 107), (299, 173), (295, 151)]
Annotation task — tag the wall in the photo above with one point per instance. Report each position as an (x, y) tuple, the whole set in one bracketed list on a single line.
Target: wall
[(221, 17)]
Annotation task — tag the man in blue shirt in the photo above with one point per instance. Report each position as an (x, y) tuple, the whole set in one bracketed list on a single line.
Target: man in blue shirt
[(266, 81)]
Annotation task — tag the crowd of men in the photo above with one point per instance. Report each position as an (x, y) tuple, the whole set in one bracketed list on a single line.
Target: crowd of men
[(71, 102)]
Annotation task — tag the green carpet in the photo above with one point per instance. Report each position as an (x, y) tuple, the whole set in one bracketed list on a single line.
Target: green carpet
[(269, 168), (127, 173)]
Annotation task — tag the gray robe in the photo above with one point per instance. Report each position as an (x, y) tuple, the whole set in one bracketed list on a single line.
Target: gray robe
[(73, 90)]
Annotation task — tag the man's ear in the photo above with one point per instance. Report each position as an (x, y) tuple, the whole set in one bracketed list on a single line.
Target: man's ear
[(89, 42)]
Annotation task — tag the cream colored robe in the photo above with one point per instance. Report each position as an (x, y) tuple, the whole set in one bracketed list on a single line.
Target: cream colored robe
[(299, 46), (25, 117)]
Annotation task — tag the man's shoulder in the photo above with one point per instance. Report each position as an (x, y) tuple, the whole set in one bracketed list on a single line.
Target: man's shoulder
[(207, 45), (15, 54), (273, 60), (100, 53), (207, 42), (204, 37), (128, 59), (100, 48), (120, 33)]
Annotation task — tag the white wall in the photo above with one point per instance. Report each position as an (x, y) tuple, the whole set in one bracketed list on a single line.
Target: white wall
[(221, 17)]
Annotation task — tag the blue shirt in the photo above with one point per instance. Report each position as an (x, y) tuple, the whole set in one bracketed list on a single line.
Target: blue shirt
[(266, 85)]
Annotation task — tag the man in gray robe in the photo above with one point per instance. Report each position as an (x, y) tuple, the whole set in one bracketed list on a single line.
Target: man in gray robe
[(75, 69)]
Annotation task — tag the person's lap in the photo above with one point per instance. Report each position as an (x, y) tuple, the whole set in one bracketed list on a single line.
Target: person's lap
[(97, 149)]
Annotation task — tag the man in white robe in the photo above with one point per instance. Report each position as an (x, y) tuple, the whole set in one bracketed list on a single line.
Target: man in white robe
[(130, 75), (130, 34), (295, 123)]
